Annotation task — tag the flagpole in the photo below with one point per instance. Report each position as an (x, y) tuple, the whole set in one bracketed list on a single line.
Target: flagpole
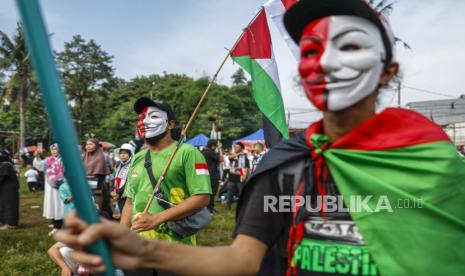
[(194, 113), (60, 120)]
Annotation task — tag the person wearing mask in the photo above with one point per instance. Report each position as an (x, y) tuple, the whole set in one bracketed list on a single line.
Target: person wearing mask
[(185, 188), (393, 156), (53, 206), (9, 193), (213, 159), (97, 169)]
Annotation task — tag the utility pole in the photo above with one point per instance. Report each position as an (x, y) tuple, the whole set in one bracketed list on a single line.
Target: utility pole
[(215, 125), (398, 93)]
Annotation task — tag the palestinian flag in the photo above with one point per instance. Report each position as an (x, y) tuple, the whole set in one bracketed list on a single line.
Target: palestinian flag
[(401, 155), (275, 10), (254, 53)]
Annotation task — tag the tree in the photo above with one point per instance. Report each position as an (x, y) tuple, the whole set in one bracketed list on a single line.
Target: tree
[(232, 108), (239, 77), (37, 125), (14, 59), (88, 78)]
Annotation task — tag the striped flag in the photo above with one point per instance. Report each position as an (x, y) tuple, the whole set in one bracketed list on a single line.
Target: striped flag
[(254, 53), (201, 169), (275, 10)]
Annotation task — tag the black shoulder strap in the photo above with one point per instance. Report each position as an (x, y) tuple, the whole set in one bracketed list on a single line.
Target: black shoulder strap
[(293, 174), (160, 196), (148, 168)]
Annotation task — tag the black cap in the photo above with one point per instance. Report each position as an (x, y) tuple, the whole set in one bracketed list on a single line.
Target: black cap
[(240, 144), (212, 142), (303, 12), (144, 102)]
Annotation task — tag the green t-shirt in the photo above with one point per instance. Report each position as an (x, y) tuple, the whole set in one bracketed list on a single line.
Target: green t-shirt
[(185, 177)]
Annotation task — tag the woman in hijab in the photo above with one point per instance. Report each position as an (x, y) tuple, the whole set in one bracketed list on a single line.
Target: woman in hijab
[(97, 169), (9, 193), (53, 206)]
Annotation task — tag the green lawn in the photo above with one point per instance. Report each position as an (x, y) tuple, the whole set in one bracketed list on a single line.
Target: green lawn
[(24, 251)]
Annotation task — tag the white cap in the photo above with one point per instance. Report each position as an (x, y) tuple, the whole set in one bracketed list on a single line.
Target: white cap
[(127, 147)]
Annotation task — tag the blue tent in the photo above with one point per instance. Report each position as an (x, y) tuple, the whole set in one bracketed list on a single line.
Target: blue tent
[(200, 140), (259, 135)]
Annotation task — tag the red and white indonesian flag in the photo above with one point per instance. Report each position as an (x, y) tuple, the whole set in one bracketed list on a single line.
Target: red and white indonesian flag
[(201, 169), (275, 10)]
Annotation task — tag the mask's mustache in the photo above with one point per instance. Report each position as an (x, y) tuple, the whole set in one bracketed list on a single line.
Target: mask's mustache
[(147, 128)]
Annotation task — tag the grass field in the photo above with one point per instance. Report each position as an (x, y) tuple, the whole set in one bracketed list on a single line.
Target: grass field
[(24, 251)]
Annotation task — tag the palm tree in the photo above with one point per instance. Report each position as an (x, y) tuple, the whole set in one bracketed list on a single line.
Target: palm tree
[(15, 61)]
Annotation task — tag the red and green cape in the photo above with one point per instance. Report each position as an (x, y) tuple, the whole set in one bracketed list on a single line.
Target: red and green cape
[(404, 156)]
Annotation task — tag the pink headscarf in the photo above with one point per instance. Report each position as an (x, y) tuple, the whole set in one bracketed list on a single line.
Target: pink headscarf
[(53, 169)]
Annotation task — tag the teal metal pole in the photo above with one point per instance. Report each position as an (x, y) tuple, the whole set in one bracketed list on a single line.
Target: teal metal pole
[(60, 119)]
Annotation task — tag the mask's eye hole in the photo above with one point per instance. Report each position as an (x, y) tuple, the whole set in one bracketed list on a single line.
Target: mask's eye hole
[(312, 53), (349, 47)]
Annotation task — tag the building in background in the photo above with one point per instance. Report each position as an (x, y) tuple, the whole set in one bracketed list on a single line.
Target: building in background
[(449, 114)]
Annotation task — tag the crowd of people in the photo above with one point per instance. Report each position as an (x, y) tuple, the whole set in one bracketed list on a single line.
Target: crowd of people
[(121, 182)]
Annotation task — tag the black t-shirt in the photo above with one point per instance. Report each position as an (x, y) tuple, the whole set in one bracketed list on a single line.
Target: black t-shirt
[(331, 245), (213, 160)]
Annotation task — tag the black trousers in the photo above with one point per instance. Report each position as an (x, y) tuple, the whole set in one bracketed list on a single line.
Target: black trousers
[(233, 189), (33, 186), (41, 181), (57, 223), (214, 181), (225, 174), (9, 201)]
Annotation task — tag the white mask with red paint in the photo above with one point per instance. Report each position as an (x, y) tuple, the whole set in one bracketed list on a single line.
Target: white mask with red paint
[(152, 122), (342, 59)]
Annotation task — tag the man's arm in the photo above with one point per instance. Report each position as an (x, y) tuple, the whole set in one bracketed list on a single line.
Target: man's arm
[(186, 208), (126, 214), (243, 257), (130, 251)]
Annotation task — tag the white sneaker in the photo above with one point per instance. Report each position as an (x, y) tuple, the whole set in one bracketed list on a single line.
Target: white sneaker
[(52, 232)]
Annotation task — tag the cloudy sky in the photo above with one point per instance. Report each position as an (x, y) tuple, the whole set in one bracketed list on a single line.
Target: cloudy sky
[(190, 37)]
